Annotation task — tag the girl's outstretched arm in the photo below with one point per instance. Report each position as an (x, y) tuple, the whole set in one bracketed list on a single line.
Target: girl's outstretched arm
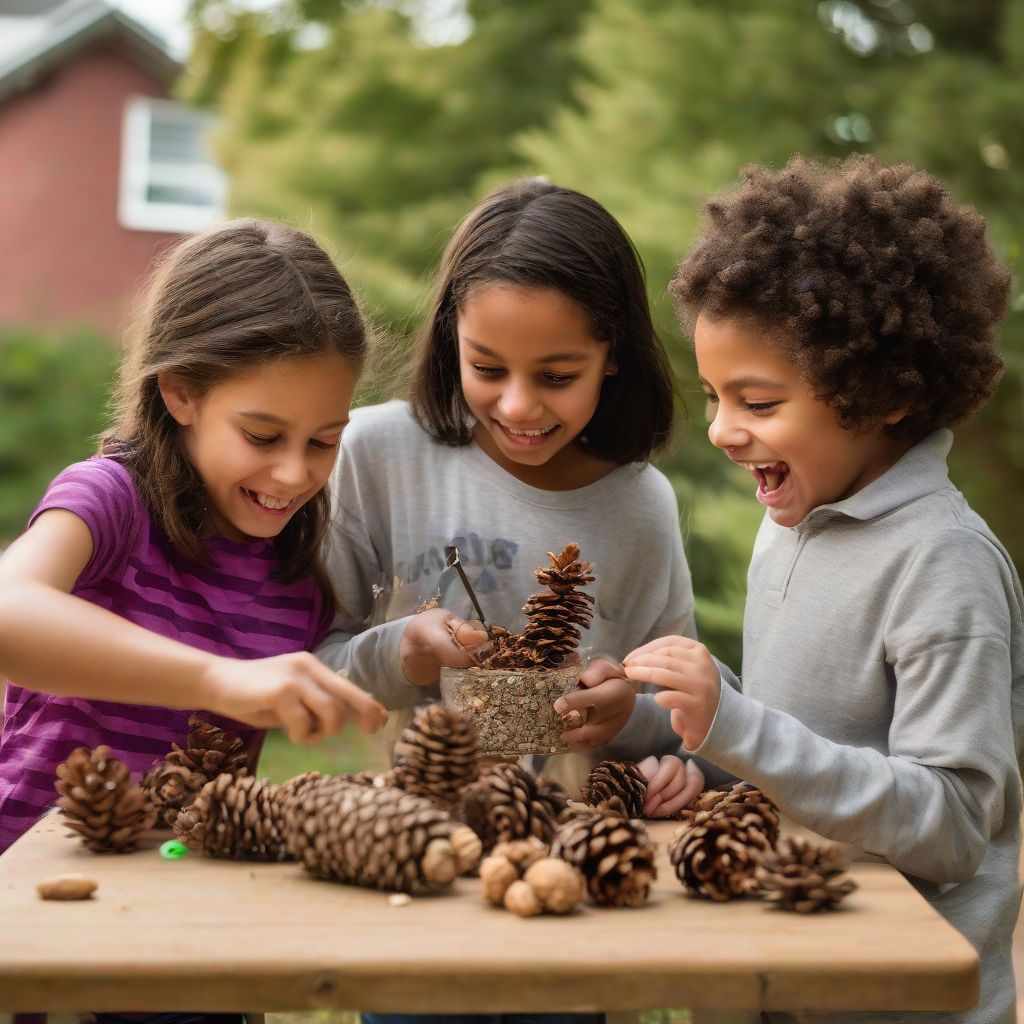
[(54, 642)]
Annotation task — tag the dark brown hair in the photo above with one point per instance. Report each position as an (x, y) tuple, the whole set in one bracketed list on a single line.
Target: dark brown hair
[(533, 234), (882, 290), (218, 304)]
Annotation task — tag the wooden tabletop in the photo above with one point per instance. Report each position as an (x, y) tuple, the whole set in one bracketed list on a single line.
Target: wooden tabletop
[(205, 935)]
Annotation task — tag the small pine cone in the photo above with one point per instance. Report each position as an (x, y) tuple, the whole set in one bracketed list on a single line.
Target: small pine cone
[(100, 802), (238, 818), (614, 854), (803, 876), (502, 804), (437, 755), (549, 806), (622, 779), (209, 751), (382, 838), (716, 854)]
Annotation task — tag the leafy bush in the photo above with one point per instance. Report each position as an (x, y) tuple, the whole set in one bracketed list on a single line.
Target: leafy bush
[(53, 395)]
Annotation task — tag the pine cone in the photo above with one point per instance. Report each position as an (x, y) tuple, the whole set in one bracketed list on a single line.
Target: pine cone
[(209, 751), (504, 804), (100, 802), (382, 838), (554, 616), (622, 779), (239, 817), (614, 853), (803, 876), (437, 755), (716, 855)]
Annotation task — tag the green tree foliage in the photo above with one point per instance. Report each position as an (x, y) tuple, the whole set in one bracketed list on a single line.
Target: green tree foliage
[(338, 115), (53, 393)]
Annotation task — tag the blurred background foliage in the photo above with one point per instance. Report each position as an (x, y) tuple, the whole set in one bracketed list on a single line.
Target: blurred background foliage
[(377, 124)]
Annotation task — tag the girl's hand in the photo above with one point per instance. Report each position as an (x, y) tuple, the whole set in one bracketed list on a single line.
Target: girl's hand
[(685, 667), (427, 645), (604, 702), (671, 784), (295, 691)]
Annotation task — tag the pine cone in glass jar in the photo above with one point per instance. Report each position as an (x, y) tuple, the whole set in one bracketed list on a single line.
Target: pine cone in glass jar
[(613, 852), (382, 838), (437, 755), (100, 802), (209, 751), (237, 818), (622, 779), (804, 876)]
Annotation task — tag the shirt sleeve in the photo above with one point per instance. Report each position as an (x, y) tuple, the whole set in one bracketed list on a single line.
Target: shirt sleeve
[(649, 729), (102, 494), (931, 802), (367, 653)]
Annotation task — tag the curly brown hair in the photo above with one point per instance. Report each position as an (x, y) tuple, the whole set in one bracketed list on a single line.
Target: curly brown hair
[(882, 290)]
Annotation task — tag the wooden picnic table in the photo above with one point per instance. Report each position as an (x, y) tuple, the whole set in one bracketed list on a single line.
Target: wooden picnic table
[(207, 935)]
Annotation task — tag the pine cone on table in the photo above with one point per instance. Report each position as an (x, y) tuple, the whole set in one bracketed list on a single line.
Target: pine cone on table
[(239, 817), (554, 617), (613, 852), (437, 755), (382, 838), (502, 804), (209, 751), (716, 854), (804, 876), (100, 802), (622, 779)]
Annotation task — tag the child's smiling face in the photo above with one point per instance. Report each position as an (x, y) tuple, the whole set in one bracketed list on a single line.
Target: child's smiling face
[(765, 417)]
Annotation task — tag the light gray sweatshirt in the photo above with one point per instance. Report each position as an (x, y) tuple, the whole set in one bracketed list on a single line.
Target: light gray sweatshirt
[(400, 497), (881, 698)]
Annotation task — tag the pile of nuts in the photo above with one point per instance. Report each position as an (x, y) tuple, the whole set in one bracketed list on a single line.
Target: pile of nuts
[(521, 877)]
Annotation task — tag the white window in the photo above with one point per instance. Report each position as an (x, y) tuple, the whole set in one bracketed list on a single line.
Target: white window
[(169, 181)]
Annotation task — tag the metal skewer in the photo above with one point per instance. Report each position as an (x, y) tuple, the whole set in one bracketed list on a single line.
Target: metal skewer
[(453, 561)]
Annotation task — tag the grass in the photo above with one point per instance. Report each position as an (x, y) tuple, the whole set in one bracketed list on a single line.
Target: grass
[(351, 751)]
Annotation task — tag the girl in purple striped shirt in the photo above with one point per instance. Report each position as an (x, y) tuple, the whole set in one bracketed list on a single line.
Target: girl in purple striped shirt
[(179, 569)]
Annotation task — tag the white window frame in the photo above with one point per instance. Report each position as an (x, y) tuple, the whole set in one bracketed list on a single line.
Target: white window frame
[(135, 210)]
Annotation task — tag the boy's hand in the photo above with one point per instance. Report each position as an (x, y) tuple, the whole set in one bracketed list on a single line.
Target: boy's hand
[(686, 667), (604, 701), (427, 645), (671, 784), (295, 691)]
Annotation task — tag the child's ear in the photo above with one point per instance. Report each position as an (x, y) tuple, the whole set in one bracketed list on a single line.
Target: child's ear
[(895, 416), (180, 403)]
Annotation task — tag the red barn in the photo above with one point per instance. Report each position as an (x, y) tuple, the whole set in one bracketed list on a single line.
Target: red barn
[(99, 167)]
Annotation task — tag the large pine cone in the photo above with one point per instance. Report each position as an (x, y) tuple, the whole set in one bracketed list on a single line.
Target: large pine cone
[(622, 779), (504, 803), (237, 818), (100, 802), (716, 853), (804, 876), (437, 755), (382, 838), (614, 853), (209, 751)]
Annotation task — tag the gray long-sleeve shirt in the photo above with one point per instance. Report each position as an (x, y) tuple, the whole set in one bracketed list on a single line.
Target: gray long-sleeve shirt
[(881, 697), (400, 497)]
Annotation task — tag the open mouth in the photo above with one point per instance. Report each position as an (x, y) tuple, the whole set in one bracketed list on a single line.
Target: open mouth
[(526, 438), (268, 503), (770, 478)]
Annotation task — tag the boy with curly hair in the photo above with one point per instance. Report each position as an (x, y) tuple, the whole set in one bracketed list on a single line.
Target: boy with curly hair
[(844, 319)]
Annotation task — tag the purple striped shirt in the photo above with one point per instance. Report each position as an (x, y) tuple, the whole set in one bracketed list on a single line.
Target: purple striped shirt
[(230, 606)]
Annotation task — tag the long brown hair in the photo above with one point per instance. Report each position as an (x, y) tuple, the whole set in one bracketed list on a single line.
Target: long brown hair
[(218, 304), (538, 235)]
